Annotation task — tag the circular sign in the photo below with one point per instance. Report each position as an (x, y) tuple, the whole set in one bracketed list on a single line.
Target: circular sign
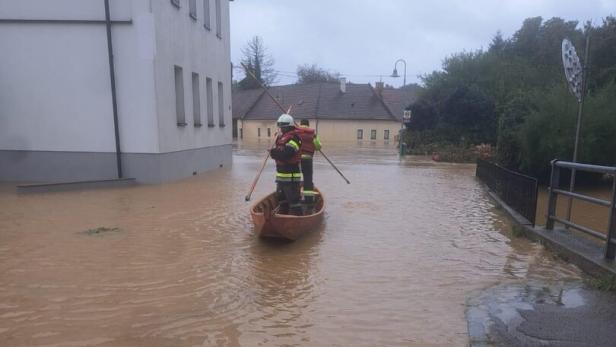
[(573, 69)]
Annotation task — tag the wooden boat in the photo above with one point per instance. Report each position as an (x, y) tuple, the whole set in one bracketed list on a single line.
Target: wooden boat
[(268, 223)]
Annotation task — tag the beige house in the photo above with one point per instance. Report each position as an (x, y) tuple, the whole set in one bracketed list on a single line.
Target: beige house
[(340, 112)]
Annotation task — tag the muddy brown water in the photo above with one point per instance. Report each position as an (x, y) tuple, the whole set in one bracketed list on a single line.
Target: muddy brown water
[(583, 213), (402, 248)]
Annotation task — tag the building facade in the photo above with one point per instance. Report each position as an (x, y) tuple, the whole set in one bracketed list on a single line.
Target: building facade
[(171, 64), (345, 113)]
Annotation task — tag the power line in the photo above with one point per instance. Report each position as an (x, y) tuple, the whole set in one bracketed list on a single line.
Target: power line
[(293, 74)]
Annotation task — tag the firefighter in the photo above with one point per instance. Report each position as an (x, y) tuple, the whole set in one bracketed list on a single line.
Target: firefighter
[(288, 174), (310, 144)]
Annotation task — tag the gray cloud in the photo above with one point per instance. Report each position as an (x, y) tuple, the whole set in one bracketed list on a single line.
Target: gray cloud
[(362, 39)]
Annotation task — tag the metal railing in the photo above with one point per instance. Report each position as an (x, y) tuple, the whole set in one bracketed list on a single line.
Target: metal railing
[(515, 189), (557, 166)]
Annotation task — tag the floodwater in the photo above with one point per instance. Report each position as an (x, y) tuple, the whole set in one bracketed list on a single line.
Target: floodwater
[(583, 213), (401, 250)]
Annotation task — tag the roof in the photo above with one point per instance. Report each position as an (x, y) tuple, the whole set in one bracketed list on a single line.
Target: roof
[(303, 97), (399, 99), (321, 101), (243, 100)]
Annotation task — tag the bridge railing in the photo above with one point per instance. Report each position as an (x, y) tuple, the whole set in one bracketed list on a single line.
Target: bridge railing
[(557, 166), (517, 190)]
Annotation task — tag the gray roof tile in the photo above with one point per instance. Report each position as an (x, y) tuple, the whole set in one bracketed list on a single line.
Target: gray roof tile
[(322, 101)]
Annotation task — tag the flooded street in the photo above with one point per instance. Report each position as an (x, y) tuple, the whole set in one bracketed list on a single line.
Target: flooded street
[(402, 249)]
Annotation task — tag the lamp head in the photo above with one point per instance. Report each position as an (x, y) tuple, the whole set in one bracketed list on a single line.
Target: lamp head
[(395, 73)]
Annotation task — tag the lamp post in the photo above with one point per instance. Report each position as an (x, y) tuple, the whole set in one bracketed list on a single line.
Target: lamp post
[(395, 73)]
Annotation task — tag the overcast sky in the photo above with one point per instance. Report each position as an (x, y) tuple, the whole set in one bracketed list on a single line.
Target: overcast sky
[(362, 39)]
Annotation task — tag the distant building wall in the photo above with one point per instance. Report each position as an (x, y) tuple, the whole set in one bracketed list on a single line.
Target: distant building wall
[(328, 130)]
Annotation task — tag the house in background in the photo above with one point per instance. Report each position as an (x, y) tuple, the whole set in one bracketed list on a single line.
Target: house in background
[(171, 63), (340, 112)]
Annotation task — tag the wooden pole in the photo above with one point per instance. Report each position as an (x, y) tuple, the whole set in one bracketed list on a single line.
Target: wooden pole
[(254, 183)]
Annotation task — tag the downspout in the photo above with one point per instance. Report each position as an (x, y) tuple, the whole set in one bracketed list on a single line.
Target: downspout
[(113, 89)]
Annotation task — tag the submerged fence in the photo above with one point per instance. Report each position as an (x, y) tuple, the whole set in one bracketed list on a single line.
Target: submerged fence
[(515, 189), (557, 166)]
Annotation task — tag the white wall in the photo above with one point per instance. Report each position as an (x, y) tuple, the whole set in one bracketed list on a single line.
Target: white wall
[(64, 9), (182, 41), (54, 78)]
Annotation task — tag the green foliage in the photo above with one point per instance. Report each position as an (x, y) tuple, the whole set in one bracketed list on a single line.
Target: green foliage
[(313, 74), (514, 95), (517, 230), (605, 283)]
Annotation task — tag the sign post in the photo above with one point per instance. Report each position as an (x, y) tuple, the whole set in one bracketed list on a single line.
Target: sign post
[(576, 79)]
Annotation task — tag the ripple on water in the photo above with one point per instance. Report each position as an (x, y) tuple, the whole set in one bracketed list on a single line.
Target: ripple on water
[(401, 249)]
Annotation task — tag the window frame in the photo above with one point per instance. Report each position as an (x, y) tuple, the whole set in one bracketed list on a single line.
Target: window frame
[(196, 94), (207, 15), (360, 134), (180, 97), (386, 134), (209, 92), (221, 105), (192, 9), (372, 134), (217, 4)]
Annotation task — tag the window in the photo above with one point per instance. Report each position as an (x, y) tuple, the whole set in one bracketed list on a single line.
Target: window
[(360, 134), (221, 106), (269, 132), (176, 3), (210, 102), (386, 134), (241, 133), (196, 99), (206, 14), (179, 96), (373, 134), (218, 20), (192, 6), (258, 132)]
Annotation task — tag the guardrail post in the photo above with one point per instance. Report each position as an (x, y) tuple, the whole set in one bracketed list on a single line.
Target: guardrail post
[(554, 184), (610, 248)]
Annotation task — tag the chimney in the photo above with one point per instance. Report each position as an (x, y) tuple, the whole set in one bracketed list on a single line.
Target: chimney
[(343, 85), (379, 88)]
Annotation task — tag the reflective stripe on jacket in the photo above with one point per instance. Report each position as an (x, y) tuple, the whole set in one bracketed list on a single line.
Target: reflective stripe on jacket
[(287, 156), (292, 140), (288, 177)]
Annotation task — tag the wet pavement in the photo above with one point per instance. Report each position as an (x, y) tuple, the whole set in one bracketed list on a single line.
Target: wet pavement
[(538, 314), (402, 250)]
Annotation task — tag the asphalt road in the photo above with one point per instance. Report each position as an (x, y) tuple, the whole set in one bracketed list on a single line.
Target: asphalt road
[(536, 314)]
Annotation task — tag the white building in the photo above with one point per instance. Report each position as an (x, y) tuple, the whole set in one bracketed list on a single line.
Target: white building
[(172, 80)]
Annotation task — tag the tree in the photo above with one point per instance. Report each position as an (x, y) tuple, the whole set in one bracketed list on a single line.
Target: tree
[(313, 74), (259, 63)]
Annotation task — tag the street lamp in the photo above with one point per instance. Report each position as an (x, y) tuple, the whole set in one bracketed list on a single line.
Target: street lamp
[(395, 73)]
